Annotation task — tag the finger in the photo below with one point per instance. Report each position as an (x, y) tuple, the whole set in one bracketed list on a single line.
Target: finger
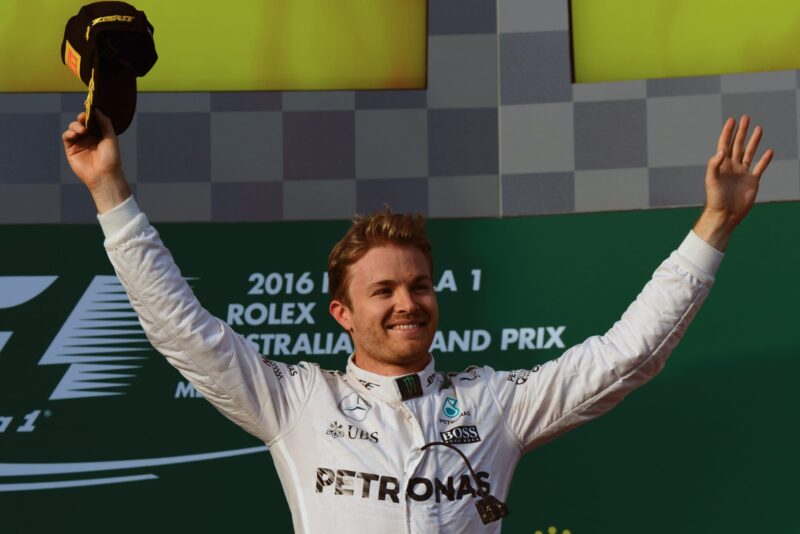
[(762, 164), (70, 139), (741, 135), (106, 127), (77, 127), (715, 163), (752, 146), (68, 136), (724, 143)]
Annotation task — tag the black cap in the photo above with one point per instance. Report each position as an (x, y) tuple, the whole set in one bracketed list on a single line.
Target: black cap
[(108, 45)]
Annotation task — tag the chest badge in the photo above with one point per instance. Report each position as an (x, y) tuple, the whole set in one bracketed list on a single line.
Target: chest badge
[(450, 408), (354, 407)]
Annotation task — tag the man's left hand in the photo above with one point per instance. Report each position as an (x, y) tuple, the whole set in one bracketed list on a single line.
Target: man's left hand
[(731, 182)]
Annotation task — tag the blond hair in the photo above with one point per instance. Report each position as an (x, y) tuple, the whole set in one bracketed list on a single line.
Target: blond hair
[(366, 232)]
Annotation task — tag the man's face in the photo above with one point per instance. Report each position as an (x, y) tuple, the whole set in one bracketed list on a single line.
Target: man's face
[(393, 313)]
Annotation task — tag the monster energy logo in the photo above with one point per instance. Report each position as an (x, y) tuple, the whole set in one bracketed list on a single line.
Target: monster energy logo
[(409, 386), (408, 383)]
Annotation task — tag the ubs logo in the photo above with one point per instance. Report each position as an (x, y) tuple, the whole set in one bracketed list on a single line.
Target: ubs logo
[(336, 430), (354, 407)]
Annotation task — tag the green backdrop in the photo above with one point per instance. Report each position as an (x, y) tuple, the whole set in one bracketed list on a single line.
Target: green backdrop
[(708, 446)]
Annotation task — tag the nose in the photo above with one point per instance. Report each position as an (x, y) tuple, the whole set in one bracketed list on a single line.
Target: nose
[(404, 301)]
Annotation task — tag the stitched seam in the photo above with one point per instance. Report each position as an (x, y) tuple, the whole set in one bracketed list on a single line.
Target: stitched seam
[(302, 409), (632, 371), (499, 406)]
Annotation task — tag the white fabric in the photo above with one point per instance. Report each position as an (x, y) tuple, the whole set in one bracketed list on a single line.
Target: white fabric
[(347, 448)]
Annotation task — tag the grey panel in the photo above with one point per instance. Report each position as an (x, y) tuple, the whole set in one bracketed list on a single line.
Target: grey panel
[(318, 100), (246, 147), (781, 181), (464, 196), (677, 186), (699, 85), (535, 67), (127, 146), (391, 99), (776, 112), (463, 71), (29, 203), (533, 16), (173, 147), (612, 189), (247, 101), (407, 195), (462, 142), (537, 138), (29, 103), (319, 199), (610, 135), (391, 143), (532, 194), (683, 130), (593, 92), (129, 149), (461, 16), (235, 202), (753, 82), (319, 145), (29, 147), (175, 202), (72, 102), (173, 102), (77, 205)]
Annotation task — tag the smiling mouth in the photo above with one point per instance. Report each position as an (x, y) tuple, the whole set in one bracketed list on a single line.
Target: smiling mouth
[(410, 326)]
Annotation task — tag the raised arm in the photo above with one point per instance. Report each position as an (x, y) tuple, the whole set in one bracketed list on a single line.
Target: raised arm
[(591, 378), (261, 396)]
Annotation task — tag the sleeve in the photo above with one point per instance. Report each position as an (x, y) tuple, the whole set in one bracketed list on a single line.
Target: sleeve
[(262, 396), (589, 379)]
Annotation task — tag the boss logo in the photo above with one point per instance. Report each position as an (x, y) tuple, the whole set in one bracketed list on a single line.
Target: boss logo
[(461, 434)]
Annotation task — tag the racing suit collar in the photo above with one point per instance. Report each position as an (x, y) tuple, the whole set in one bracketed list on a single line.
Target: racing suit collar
[(393, 388)]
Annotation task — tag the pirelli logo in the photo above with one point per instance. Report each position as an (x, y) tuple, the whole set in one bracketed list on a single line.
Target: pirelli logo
[(113, 18), (108, 18), (72, 59)]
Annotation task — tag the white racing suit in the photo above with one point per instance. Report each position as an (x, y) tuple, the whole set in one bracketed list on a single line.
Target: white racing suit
[(347, 446)]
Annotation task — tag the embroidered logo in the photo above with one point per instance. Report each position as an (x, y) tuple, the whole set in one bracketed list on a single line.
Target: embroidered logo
[(450, 408), (354, 407)]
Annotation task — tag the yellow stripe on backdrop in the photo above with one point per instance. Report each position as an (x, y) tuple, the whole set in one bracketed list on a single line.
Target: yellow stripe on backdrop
[(638, 39), (248, 45)]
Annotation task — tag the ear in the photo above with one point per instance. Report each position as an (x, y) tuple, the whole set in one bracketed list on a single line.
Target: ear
[(341, 313)]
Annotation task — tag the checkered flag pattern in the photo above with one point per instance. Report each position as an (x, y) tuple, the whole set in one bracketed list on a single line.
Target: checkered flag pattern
[(500, 131)]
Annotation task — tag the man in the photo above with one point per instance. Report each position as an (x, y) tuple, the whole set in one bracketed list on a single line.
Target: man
[(351, 449)]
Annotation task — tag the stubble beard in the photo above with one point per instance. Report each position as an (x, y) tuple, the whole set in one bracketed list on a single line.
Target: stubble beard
[(397, 352)]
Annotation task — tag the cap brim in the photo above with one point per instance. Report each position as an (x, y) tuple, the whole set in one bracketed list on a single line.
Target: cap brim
[(114, 93)]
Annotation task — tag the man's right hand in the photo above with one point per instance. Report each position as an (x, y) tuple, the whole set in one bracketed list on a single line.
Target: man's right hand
[(97, 162)]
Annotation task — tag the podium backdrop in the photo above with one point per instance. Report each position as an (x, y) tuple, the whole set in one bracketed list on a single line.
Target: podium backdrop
[(99, 434)]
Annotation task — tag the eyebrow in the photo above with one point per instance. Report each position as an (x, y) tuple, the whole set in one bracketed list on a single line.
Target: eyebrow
[(387, 282)]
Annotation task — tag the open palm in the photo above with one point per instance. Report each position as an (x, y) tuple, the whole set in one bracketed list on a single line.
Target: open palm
[(731, 184)]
